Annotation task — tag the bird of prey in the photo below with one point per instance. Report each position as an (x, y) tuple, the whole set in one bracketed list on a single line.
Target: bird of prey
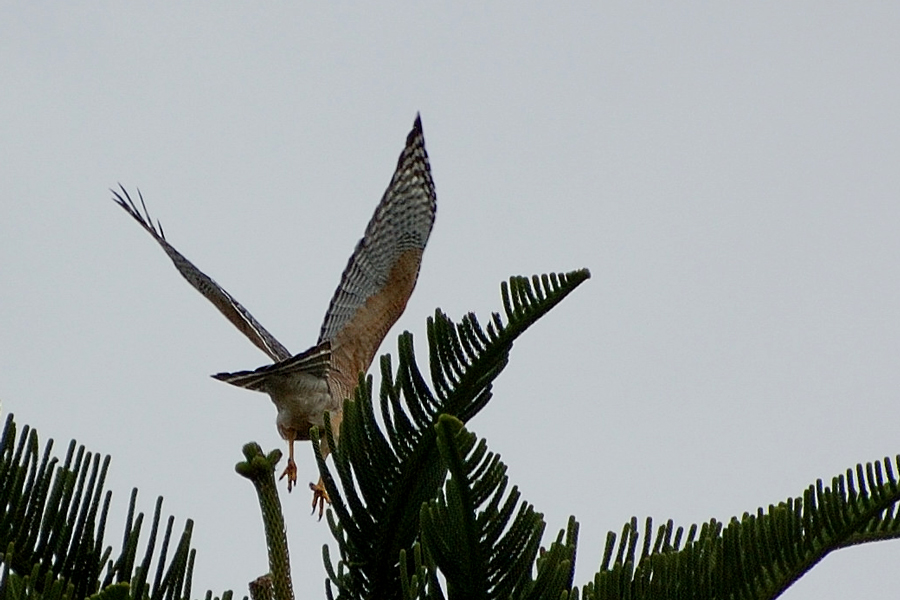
[(372, 294)]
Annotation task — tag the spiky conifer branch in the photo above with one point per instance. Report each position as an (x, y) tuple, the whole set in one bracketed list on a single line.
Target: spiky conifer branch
[(482, 539), (387, 474), (52, 522), (259, 468), (757, 556)]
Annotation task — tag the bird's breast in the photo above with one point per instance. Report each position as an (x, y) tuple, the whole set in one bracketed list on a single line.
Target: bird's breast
[(301, 400)]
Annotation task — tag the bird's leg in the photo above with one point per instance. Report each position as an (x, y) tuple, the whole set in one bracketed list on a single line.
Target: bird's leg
[(320, 497), (291, 470)]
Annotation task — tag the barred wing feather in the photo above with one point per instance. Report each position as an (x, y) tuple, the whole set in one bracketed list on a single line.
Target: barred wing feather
[(227, 305), (383, 269)]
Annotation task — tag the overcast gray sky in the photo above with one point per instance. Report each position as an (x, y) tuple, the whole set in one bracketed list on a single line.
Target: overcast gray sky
[(729, 175)]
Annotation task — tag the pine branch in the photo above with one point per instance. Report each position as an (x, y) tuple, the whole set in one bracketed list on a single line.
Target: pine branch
[(260, 470), (482, 539), (757, 556), (52, 523), (387, 474)]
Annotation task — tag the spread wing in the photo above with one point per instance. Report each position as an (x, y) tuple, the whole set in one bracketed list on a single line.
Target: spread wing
[(382, 271), (213, 292)]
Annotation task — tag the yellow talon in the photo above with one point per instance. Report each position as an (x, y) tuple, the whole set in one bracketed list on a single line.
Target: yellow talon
[(291, 473), (320, 497)]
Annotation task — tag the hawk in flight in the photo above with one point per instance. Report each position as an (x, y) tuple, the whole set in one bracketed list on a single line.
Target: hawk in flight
[(374, 289)]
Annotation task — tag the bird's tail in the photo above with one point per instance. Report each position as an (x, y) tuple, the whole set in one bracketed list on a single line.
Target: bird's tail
[(315, 361)]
